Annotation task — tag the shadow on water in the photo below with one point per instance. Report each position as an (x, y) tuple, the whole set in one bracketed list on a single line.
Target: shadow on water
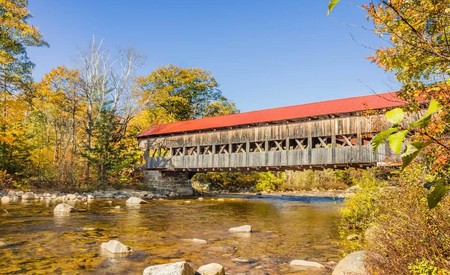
[(285, 228)]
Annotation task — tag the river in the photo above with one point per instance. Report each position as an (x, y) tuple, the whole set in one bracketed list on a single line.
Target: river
[(36, 242)]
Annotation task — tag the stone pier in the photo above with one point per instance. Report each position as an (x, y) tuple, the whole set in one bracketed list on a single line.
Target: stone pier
[(169, 183)]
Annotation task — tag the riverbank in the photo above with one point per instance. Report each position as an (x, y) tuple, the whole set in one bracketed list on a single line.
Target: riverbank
[(9, 196), (306, 193)]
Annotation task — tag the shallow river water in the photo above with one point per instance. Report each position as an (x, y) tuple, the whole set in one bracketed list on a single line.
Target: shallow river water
[(36, 242)]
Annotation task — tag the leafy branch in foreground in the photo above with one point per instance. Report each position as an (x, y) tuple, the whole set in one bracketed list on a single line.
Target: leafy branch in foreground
[(331, 5), (397, 135)]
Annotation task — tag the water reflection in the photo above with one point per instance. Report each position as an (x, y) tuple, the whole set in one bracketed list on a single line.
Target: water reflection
[(162, 231)]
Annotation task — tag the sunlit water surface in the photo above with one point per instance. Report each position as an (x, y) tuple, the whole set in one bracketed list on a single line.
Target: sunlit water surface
[(36, 242)]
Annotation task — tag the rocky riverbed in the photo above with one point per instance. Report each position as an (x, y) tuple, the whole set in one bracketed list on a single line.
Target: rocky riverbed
[(15, 196), (280, 237), (18, 195)]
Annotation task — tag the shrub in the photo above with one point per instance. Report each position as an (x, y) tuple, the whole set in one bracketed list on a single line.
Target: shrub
[(269, 181), (423, 267), (410, 237), (281, 181), (6, 181), (360, 210), (230, 181), (315, 180)]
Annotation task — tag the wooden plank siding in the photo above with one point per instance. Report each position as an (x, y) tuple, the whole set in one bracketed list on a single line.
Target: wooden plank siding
[(331, 142)]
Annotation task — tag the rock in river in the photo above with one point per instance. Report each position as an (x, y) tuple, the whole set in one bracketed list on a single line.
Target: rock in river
[(352, 264), (179, 268), (199, 241), (211, 269), (305, 264), (63, 209), (29, 196), (243, 260), (6, 199), (241, 229), (353, 237), (114, 246), (135, 200)]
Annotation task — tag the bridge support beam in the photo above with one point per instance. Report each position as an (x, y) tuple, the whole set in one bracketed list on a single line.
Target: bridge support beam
[(169, 183)]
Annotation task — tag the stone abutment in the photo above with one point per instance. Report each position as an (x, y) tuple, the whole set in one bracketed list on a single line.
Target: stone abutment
[(169, 182)]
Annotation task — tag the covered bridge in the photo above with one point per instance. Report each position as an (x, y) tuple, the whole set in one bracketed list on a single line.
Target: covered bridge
[(327, 134)]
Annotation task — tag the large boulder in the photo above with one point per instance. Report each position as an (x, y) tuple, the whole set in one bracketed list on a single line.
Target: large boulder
[(7, 199), (353, 264), (135, 200), (241, 229), (63, 209), (178, 268), (305, 264), (115, 246), (211, 269)]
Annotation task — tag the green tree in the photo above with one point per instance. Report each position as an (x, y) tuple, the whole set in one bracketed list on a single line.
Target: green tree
[(107, 90), (15, 35), (220, 107), (182, 93)]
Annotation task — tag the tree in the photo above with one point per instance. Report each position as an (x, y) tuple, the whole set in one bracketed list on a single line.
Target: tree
[(419, 44), (418, 53), (220, 107), (107, 89), (15, 35), (14, 149), (15, 82), (57, 116), (182, 93)]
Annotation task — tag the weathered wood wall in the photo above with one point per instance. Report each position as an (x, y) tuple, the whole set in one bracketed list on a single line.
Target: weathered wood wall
[(290, 145)]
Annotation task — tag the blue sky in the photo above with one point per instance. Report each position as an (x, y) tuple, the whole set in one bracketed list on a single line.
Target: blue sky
[(263, 53)]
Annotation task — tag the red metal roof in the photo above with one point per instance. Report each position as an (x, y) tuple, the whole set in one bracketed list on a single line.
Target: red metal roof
[(302, 111)]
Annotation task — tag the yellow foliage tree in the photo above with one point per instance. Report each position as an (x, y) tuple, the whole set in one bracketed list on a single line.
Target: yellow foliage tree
[(57, 126)]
